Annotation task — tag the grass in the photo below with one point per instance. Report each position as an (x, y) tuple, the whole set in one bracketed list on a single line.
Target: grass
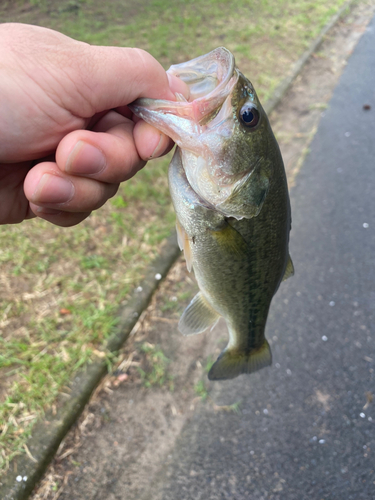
[(201, 390), (61, 288), (155, 373)]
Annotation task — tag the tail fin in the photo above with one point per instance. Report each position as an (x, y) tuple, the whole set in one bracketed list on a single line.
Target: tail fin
[(232, 363)]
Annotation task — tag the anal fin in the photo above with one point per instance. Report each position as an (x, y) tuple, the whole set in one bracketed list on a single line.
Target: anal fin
[(198, 316), (289, 271)]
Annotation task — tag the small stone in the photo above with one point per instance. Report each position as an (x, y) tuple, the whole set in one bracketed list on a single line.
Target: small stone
[(288, 371), (347, 134), (265, 411), (322, 441), (19, 479), (24, 478), (362, 415), (158, 276), (332, 303), (324, 338), (365, 225)]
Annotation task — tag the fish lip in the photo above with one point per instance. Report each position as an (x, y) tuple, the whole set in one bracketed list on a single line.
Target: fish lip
[(202, 68), (224, 61)]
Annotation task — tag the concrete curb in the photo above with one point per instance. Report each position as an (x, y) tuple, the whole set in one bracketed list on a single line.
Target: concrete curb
[(26, 470)]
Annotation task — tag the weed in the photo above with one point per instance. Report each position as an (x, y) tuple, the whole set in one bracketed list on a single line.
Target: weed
[(209, 362), (200, 390), (119, 202), (92, 261), (235, 407), (156, 372)]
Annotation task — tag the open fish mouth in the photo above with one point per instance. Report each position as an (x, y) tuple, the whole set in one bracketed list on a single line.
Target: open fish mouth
[(210, 79), (204, 126)]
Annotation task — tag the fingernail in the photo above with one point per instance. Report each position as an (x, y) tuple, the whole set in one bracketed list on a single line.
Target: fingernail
[(160, 148), (53, 189), (85, 159)]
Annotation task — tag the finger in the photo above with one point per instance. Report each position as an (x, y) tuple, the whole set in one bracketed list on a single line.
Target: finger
[(178, 86), (109, 156), (114, 156), (150, 142), (47, 187), (115, 76), (58, 217)]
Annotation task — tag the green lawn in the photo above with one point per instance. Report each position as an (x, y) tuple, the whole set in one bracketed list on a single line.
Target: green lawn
[(61, 288)]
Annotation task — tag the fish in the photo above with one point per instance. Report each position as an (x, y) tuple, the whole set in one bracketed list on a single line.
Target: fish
[(230, 194)]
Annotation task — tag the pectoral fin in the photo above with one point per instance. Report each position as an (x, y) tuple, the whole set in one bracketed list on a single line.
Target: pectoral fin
[(184, 244), (252, 191), (198, 316), (289, 271)]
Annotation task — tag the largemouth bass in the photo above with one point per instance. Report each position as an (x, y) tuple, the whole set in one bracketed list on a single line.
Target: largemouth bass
[(230, 194)]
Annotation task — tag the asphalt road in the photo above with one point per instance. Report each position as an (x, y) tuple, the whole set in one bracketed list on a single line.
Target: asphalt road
[(306, 427)]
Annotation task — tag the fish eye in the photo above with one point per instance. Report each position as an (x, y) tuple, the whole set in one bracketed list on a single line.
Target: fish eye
[(249, 115)]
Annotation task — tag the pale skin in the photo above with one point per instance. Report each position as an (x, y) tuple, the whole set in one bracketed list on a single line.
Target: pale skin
[(67, 138)]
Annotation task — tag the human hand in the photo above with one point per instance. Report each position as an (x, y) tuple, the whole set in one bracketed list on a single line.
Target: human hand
[(67, 138)]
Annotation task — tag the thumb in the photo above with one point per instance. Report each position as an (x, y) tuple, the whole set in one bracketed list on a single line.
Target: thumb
[(113, 76)]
